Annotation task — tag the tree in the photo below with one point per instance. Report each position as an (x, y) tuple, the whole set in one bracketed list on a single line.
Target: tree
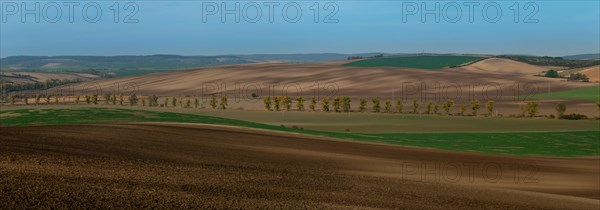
[(11, 99), (95, 99), (415, 106), (267, 102), (153, 100), (223, 103), (448, 106), (313, 103), (300, 103), (560, 109), (376, 104), (337, 101), (133, 100), (551, 73), (180, 102), (362, 106), (436, 108), (77, 99), (26, 100), (523, 108), (463, 109), (166, 103), (287, 103), (121, 99), (196, 103), (475, 106), (174, 101), (38, 97), (325, 104), (399, 106), (346, 103), (213, 101), (188, 103), (489, 105), (106, 97), (277, 103), (47, 99), (429, 107), (532, 108), (388, 106), (88, 99)]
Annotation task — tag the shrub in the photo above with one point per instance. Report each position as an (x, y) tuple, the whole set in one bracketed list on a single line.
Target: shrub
[(475, 107), (346, 104), (38, 97), (362, 106), (11, 99), (106, 97), (223, 103), (551, 73), (88, 99), (560, 109), (313, 103), (188, 103), (448, 106), (268, 103), (300, 103), (337, 101), (399, 106), (376, 104), (196, 103), (76, 99), (388, 106), (213, 101), (436, 108), (573, 117), (532, 108), (415, 106), (287, 103), (277, 103), (325, 104), (174, 102), (94, 99), (489, 105), (133, 100), (429, 107)]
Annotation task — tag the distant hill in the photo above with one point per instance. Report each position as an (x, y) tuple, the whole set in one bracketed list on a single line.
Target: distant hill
[(303, 58), (82, 63), (583, 56)]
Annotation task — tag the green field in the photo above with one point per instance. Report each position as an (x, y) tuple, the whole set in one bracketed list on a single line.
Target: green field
[(586, 94), (419, 62), (566, 144)]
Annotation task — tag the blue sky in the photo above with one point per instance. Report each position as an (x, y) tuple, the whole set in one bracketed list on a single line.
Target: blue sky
[(554, 28)]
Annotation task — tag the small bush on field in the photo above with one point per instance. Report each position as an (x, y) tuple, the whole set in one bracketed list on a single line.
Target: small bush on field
[(574, 117)]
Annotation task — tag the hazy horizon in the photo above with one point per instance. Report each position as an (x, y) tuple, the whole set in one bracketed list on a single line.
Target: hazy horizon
[(551, 28)]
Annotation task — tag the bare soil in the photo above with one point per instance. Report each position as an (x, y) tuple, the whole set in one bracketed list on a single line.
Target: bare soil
[(200, 166)]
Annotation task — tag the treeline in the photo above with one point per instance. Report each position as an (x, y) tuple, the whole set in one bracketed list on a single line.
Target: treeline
[(344, 104), (7, 87), (552, 61)]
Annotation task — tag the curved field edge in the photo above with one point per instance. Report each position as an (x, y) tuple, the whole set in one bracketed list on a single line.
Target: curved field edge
[(585, 94), (418, 62), (558, 144)]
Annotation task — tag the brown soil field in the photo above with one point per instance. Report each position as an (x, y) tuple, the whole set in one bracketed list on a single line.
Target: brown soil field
[(593, 73), (44, 76), (199, 166), (499, 79)]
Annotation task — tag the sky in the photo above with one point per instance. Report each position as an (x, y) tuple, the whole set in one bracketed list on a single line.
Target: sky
[(188, 27)]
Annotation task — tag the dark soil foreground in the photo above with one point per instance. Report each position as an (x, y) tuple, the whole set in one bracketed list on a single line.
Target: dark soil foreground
[(192, 166)]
